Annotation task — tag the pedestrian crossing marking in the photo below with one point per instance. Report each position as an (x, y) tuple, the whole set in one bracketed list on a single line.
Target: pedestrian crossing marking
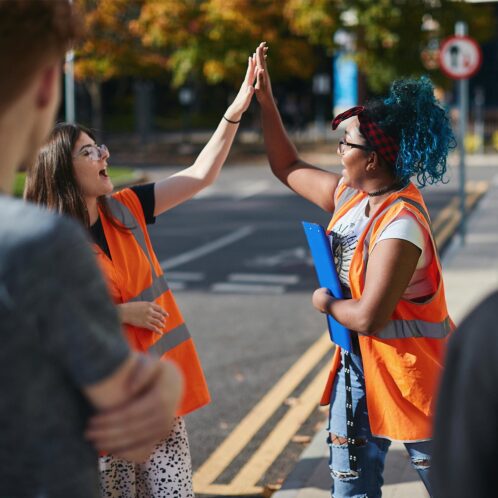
[(185, 276), (248, 288), (176, 286), (240, 190), (208, 248), (264, 277)]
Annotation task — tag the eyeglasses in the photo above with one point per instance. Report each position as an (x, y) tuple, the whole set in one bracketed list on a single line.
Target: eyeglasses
[(343, 144), (94, 152)]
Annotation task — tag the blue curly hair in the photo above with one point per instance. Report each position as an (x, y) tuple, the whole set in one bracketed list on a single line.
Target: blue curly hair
[(415, 119)]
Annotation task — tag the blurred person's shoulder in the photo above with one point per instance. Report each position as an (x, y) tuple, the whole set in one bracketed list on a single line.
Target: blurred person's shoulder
[(483, 316), (40, 251), (478, 332), (31, 233)]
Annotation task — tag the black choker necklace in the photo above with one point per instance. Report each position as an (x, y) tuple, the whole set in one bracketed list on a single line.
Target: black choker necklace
[(385, 190)]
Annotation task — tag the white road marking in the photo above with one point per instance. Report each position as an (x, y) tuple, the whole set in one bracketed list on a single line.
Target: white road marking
[(251, 189), (237, 190), (185, 276), (264, 278), (298, 255), (174, 285), (207, 192), (212, 246), (247, 288)]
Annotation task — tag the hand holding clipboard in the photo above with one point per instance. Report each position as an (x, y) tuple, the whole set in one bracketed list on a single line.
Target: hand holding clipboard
[(327, 277)]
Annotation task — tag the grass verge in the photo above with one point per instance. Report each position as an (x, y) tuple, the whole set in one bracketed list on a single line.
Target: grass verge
[(120, 176)]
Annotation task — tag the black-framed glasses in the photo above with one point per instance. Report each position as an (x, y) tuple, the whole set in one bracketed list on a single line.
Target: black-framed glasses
[(94, 152), (343, 144)]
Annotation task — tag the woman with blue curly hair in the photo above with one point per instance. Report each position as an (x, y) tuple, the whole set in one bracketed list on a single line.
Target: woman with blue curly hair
[(384, 389)]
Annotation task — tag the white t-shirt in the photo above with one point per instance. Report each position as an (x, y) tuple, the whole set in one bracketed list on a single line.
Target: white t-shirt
[(348, 228)]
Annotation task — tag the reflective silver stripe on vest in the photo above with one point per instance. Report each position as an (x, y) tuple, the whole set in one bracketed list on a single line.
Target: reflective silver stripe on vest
[(387, 208), (170, 340), (345, 196), (407, 329), (366, 241), (159, 285), (158, 288), (418, 206), (125, 216), (422, 210)]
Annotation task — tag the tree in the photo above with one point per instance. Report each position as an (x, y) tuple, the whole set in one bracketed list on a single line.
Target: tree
[(212, 39), (111, 50), (389, 34)]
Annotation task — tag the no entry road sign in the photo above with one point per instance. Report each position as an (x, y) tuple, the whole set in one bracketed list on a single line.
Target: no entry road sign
[(460, 57)]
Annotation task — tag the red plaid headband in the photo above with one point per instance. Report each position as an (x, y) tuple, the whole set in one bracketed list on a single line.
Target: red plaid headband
[(385, 145)]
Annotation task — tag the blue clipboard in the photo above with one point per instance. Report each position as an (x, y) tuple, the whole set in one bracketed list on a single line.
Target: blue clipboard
[(327, 277)]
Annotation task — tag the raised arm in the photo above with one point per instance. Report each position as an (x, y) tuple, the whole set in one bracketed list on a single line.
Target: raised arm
[(312, 183), (390, 269), (186, 183)]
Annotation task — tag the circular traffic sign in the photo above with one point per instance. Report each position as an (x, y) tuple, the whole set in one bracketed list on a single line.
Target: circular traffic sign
[(460, 57)]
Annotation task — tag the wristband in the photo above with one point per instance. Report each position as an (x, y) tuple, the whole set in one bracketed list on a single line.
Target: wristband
[(230, 121)]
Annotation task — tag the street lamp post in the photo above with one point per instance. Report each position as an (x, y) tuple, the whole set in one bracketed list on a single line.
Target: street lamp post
[(69, 100), (69, 88)]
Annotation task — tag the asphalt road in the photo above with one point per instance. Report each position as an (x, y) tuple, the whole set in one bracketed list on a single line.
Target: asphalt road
[(238, 260)]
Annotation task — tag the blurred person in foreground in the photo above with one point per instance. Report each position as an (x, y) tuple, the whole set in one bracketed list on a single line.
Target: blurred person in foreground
[(70, 175), (69, 383), (384, 389), (466, 422)]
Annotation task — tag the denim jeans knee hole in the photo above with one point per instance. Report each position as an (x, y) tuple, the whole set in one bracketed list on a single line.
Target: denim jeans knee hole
[(348, 475), (421, 463), (342, 441), (359, 496)]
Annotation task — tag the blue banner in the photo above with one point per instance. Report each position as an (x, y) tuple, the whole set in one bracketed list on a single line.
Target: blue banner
[(345, 82)]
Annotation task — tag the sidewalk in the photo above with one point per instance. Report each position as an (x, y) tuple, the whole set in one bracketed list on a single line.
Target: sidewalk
[(470, 273), (177, 149)]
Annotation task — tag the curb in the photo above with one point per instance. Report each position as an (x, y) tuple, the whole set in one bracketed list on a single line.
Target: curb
[(308, 465)]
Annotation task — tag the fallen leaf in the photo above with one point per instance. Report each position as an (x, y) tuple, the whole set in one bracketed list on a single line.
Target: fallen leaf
[(301, 439)]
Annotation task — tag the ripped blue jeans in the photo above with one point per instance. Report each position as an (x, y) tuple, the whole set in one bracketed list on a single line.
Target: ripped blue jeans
[(370, 451)]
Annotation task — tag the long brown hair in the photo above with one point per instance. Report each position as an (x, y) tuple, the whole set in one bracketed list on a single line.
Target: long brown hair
[(51, 181)]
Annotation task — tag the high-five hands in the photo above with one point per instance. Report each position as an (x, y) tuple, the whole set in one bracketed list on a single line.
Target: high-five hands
[(243, 98), (257, 72), (263, 83)]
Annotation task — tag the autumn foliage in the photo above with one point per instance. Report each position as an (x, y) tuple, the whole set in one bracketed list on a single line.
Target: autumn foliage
[(211, 39)]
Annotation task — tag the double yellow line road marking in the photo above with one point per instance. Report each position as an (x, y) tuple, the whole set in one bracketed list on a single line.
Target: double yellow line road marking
[(449, 218), (246, 480), (244, 483)]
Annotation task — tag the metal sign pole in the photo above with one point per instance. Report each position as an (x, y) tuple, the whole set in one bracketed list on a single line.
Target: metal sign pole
[(69, 87), (463, 97), (69, 99)]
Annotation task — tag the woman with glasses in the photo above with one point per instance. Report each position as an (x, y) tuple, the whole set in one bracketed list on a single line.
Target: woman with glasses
[(386, 258), (71, 176)]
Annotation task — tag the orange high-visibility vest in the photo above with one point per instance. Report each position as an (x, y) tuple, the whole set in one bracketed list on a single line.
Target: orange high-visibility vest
[(134, 274), (403, 361)]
